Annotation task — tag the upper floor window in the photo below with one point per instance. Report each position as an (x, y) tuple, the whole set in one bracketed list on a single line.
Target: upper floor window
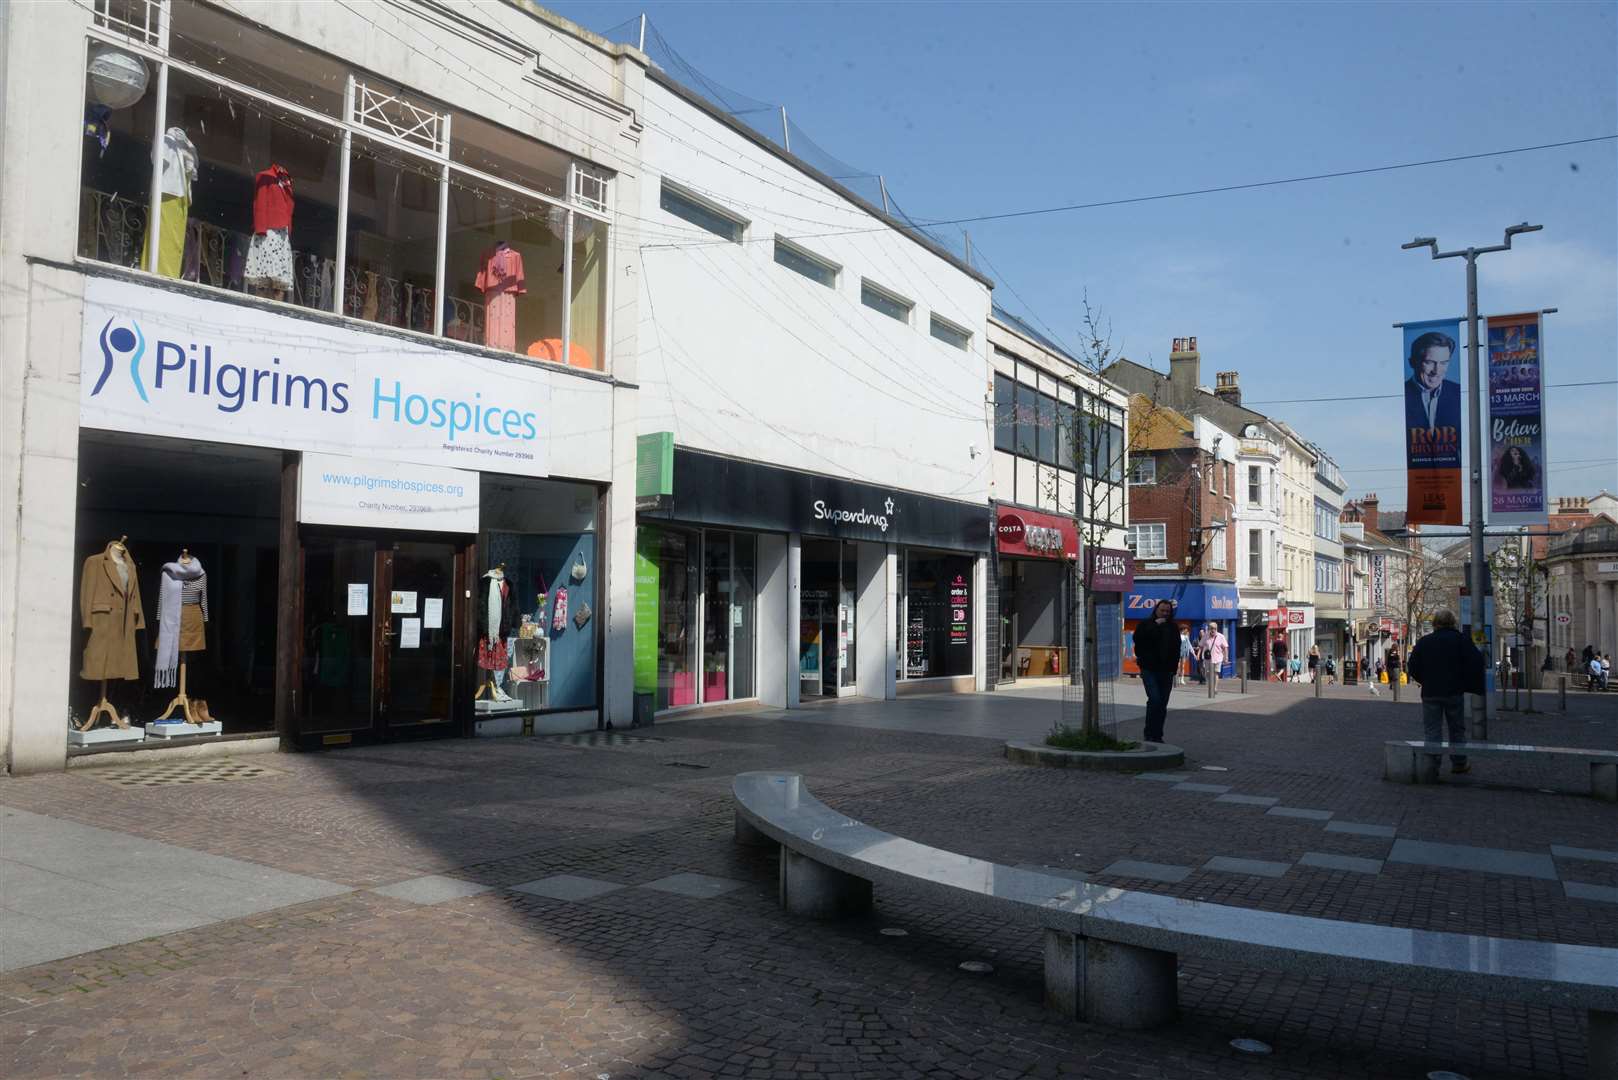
[(1143, 469), (1255, 554), (1255, 486), (949, 333), (888, 303), (701, 213), (1148, 541), (1005, 415), (800, 261), (448, 225)]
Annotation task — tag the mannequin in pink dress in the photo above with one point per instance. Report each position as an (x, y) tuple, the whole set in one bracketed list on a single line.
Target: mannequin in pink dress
[(500, 278)]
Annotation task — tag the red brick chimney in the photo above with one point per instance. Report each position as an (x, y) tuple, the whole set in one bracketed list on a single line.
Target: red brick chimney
[(1227, 387), (1368, 511)]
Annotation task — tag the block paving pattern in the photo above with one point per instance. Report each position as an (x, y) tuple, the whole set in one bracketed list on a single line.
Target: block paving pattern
[(705, 977)]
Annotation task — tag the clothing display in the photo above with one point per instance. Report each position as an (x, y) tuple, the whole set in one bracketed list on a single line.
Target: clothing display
[(500, 279), (272, 200), (110, 608), (559, 610), (179, 163), (492, 656), (269, 261), (176, 213), (497, 622), (182, 610)]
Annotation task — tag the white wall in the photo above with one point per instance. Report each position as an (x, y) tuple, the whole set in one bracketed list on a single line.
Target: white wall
[(743, 357), (874, 653)]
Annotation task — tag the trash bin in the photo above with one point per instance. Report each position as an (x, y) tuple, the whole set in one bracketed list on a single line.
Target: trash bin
[(1351, 672)]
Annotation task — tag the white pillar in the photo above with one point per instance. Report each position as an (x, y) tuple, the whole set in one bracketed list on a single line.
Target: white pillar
[(777, 644), (873, 629), (1592, 617), (980, 623), (1609, 617), (794, 615)]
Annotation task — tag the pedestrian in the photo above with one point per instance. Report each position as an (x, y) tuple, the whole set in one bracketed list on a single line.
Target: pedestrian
[(1588, 655), (1393, 664), (1331, 671), (1278, 652), (1447, 666), (1314, 663), (1602, 668), (1158, 645), (1571, 660), (1186, 654), (1296, 669), (1215, 648)]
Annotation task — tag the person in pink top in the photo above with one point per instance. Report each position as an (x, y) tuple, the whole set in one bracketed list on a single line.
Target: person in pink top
[(1213, 648)]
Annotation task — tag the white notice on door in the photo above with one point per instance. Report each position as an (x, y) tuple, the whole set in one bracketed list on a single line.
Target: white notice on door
[(409, 633), (432, 611), (404, 603), (358, 599)]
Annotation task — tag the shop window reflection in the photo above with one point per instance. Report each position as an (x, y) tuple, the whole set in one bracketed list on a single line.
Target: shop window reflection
[(503, 269), (392, 257), (120, 112)]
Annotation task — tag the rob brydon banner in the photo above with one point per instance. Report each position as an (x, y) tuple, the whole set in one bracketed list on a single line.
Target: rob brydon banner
[(164, 363), (1432, 427)]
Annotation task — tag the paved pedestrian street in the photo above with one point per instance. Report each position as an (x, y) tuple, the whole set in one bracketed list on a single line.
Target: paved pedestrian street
[(577, 906)]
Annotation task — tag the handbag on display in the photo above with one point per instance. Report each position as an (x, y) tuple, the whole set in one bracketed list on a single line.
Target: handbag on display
[(527, 630), (581, 616), (579, 569)]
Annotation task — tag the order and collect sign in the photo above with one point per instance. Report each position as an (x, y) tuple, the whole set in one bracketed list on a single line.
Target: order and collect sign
[(164, 363), (1516, 442)]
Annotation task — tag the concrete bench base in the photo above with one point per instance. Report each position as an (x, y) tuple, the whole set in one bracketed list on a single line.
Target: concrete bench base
[(816, 891), (1407, 762), (1103, 982)]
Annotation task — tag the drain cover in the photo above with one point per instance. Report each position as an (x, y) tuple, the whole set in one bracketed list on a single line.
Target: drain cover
[(894, 931), (189, 771), (977, 967), (1250, 1046)]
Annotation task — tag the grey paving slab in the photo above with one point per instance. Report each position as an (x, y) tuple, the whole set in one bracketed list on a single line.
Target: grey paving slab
[(1325, 861), (1167, 777), (1150, 871), (697, 886), (1579, 890), (67, 888), (1588, 854), (1462, 857), (1356, 828), (1225, 864), (1054, 871), (1299, 812), (568, 887), (432, 889), (1248, 800), (1216, 789)]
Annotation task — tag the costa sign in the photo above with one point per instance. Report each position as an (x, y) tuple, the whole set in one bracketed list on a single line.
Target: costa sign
[(1019, 533)]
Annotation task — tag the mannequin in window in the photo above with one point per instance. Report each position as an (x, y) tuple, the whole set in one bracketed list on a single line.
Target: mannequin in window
[(182, 616), (500, 279), (110, 609), (269, 253), (497, 620), (179, 172)]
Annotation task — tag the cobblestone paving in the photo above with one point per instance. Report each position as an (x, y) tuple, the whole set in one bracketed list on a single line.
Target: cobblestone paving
[(641, 982)]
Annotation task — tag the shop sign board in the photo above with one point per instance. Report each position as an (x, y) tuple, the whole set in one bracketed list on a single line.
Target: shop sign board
[(960, 611), (1025, 532), (372, 494), (1110, 570), (158, 362), (1379, 582), (1563, 618)]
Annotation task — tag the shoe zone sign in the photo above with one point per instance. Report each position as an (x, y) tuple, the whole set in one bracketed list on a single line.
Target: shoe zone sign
[(164, 363)]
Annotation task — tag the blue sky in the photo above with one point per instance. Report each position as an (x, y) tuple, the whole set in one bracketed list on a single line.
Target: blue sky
[(976, 108)]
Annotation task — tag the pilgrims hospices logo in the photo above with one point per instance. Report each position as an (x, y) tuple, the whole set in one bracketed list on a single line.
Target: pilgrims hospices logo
[(124, 341)]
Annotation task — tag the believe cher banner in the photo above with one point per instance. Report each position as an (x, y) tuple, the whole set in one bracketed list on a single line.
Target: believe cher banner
[(1432, 422), (1517, 459)]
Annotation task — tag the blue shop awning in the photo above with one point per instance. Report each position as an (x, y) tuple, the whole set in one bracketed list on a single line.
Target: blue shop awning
[(1191, 599)]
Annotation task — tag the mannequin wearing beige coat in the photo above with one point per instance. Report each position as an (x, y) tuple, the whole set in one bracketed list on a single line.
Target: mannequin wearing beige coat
[(109, 607)]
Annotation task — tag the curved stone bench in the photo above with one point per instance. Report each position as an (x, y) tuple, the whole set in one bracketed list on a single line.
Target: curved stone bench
[(1410, 761), (1111, 955)]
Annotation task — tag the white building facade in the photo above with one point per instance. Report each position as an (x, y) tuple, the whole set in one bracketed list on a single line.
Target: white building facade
[(814, 418), (1331, 580), (319, 402)]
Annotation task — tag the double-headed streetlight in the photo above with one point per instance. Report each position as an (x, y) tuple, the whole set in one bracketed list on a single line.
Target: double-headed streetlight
[(1480, 704)]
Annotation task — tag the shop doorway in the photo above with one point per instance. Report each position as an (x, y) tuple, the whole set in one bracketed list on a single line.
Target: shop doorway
[(380, 636), (826, 640)]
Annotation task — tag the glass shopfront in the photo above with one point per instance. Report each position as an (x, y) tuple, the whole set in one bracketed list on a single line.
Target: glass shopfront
[(699, 589), (827, 617), (937, 614)]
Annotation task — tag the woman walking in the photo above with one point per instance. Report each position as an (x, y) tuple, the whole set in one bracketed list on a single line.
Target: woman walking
[(1314, 662)]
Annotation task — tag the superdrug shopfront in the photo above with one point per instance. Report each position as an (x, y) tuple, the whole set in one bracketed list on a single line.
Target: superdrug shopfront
[(760, 583), (1036, 555)]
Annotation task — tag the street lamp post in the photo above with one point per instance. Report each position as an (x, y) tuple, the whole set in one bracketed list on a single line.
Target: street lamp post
[(1480, 703)]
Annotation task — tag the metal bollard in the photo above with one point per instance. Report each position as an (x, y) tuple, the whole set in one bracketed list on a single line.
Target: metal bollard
[(1561, 693), (1393, 681), (1244, 678), (1320, 680), (1529, 684)]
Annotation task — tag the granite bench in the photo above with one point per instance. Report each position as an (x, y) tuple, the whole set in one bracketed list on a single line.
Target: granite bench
[(1112, 955), (1411, 761)]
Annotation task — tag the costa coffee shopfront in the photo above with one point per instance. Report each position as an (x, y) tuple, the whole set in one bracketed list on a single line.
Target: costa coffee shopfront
[(1038, 593)]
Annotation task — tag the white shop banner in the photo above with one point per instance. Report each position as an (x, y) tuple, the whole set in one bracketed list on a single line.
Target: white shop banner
[(336, 490), (165, 363)]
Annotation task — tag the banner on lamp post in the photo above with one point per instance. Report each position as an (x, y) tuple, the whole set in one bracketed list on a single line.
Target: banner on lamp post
[(1432, 426), (1516, 439)]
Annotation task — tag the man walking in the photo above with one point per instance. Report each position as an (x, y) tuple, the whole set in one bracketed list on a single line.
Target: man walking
[(1157, 652), (1447, 666)]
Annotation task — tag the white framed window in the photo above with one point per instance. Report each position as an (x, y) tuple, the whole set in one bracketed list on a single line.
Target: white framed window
[(1143, 470), (1148, 541), (801, 261), (888, 303), (1217, 558), (1255, 486), (949, 333), (701, 213), (1255, 555)]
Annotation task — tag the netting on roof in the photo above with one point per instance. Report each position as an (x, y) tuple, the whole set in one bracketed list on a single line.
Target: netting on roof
[(768, 120)]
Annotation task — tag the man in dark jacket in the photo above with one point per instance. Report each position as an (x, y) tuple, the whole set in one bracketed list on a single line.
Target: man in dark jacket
[(1447, 666), (1157, 652)]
